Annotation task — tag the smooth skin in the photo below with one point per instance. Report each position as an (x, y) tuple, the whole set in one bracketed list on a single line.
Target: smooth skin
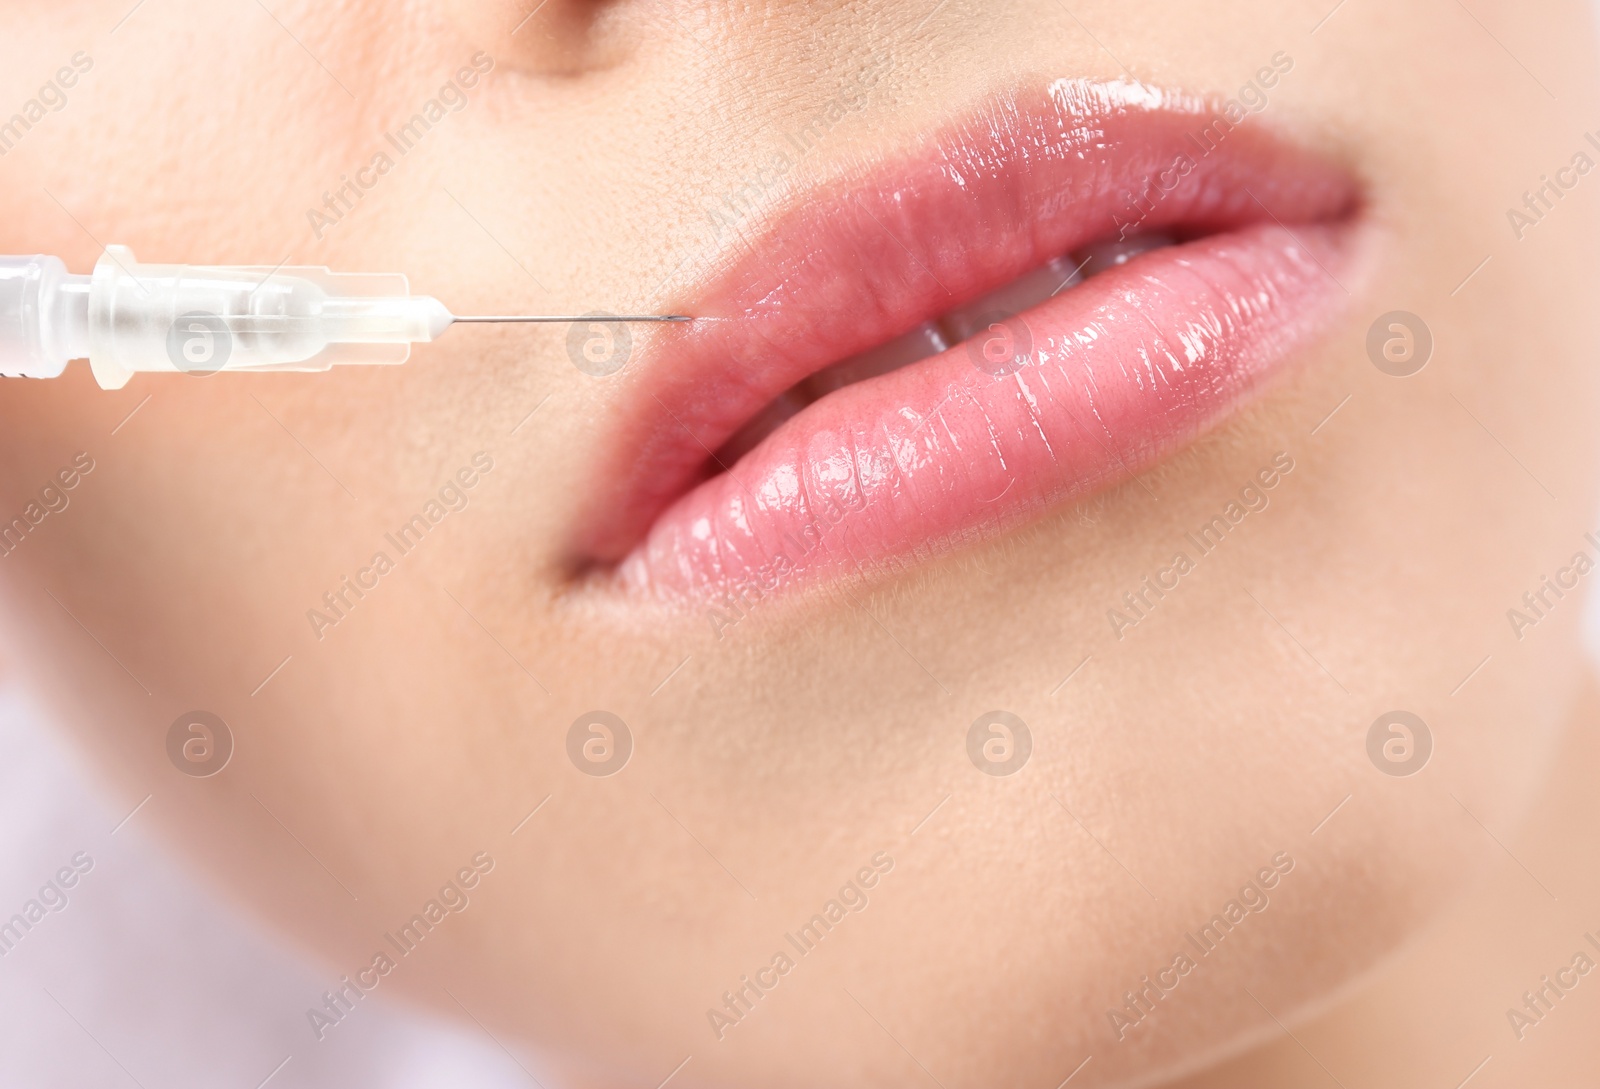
[(770, 765)]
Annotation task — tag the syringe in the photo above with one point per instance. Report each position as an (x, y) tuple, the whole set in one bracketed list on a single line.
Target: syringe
[(127, 317)]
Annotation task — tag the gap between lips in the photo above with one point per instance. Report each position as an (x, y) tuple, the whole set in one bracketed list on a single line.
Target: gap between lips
[(930, 338)]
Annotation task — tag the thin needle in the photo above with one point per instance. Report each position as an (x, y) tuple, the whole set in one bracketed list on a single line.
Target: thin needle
[(569, 318)]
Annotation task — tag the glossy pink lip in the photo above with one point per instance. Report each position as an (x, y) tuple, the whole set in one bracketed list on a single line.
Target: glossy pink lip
[(1122, 368)]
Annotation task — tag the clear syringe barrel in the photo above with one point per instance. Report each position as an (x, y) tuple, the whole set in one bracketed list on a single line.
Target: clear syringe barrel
[(127, 317), (200, 320)]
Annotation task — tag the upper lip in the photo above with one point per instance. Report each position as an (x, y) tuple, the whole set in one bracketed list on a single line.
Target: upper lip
[(851, 264)]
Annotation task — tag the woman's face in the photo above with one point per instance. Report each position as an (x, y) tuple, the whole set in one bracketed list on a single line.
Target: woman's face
[(910, 650)]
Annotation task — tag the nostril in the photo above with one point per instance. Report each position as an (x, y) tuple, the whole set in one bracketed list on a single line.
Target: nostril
[(547, 37)]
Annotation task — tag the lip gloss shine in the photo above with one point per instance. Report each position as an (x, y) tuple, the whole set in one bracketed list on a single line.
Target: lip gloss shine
[(1087, 387)]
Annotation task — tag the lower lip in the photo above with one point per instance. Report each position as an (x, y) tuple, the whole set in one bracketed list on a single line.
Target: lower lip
[(1122, 370)]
